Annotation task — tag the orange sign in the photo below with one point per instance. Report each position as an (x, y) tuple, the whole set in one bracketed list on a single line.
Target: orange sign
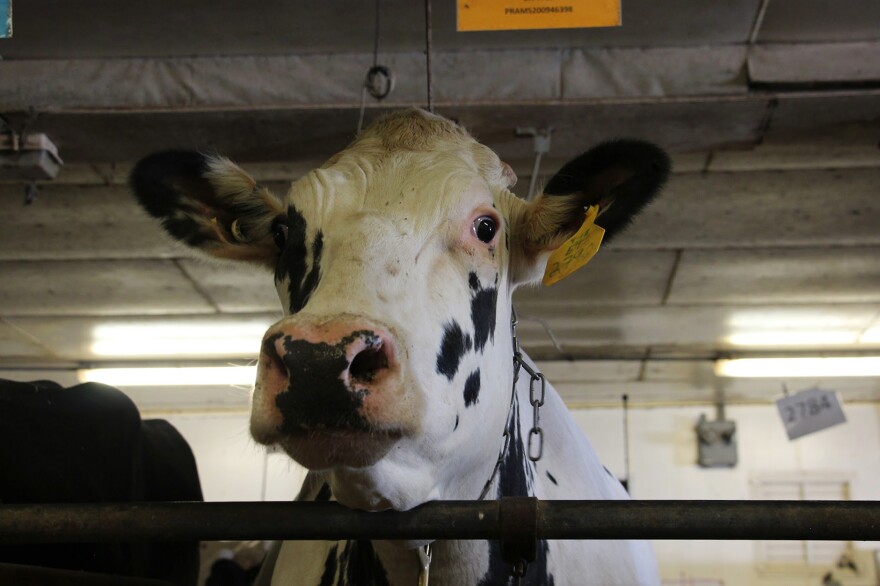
[(509, 15)]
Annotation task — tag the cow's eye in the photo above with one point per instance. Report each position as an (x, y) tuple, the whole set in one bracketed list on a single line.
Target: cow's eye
[(279, 234), (485, 228)]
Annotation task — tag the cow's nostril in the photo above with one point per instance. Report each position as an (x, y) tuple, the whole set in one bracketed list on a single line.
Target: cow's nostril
[(368, 363)]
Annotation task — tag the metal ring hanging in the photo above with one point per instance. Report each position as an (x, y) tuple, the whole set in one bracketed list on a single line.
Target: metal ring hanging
[(379, 81)]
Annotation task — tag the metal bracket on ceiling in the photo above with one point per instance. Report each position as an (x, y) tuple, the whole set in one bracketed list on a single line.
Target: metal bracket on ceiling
[(541, 138)]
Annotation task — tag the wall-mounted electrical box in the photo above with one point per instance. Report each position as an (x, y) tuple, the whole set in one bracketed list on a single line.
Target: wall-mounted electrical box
[(716, 443)]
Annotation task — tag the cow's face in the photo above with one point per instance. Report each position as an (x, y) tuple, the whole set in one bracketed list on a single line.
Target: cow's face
[(395, 263)]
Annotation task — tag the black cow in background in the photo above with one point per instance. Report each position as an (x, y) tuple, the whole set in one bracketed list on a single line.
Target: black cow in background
[(88, 444)]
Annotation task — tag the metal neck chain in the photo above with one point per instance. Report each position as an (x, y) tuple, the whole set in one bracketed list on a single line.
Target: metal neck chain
[(536, 440), (536, 395), (536, 399)]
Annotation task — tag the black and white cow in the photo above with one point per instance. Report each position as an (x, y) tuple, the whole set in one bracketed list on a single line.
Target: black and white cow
[(390, 375)]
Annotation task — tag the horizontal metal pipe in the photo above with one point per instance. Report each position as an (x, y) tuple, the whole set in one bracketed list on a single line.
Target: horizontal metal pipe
[(713, 520), (734, 520)]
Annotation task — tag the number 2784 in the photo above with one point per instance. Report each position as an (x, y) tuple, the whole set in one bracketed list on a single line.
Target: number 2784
[(807, 408)]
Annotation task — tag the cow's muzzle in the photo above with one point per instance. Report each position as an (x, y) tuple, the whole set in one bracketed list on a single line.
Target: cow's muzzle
[(327, 388)]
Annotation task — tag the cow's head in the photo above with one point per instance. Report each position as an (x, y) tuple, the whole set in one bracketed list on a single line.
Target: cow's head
[(395, 263)]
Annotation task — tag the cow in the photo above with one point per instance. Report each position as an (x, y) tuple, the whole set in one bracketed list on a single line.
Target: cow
[(391, 375)]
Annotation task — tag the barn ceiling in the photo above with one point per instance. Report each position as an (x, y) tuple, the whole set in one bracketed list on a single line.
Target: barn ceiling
[(770, 224)]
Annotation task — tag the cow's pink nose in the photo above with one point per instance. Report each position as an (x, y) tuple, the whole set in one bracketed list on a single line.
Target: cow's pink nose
[(326, 375)]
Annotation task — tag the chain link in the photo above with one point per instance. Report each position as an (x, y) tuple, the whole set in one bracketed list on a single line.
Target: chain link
[(536, 433)]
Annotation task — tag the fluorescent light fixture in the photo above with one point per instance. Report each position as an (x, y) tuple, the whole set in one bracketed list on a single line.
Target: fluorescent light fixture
[(171, 376), (178, 339), (780, 319), (872, 336), (783, 338), (802, 367)]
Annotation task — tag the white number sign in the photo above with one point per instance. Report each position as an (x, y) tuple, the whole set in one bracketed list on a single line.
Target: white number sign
[(810, 411)]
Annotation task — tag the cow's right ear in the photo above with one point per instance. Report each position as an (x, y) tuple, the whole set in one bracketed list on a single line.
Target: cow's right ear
[(210, 204)]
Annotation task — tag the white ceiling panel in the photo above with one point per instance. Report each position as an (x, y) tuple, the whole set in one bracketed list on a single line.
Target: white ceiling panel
[(561, 372), (820, 113), (609, 394), (82, 222), (777, 276), (235, 287), (591, 74), (97, 288), (14, 344), (696, 372), (777, 156), (610, 278), (780, 208), (813, 21), (812, 63), (611, 330)]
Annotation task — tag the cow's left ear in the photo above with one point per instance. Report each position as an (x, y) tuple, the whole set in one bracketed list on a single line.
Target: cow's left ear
[(620, 177), (210, 204)]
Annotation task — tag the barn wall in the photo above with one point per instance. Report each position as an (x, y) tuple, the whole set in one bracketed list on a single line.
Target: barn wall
[(663, 450), (232, 467)]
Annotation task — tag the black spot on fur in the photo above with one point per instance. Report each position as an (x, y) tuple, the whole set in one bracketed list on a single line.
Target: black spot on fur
[(357, 563), (293, 261), (472, 388), (317, 397), (516, 474), (553, 480), (515, 479), (473, 281), (328, 578), (498, 573), (311, 280), (452, 350), (483, 315), (323, 494)]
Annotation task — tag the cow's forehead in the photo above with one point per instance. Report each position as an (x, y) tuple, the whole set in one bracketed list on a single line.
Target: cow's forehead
[(414, 149)]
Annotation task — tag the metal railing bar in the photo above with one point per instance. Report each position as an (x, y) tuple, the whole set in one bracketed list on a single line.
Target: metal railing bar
[(181, 521)]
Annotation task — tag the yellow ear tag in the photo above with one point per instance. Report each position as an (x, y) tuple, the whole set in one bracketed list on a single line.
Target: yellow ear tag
[(576, 251)]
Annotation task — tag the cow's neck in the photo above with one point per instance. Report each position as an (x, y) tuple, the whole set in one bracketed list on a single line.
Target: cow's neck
[(457, 561)]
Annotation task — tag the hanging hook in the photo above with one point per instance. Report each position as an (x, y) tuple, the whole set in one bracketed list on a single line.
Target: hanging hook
[(379, 81), (30, 193)]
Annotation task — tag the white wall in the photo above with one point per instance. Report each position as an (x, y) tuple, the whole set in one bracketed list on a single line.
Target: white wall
[(663, 450), (232, 467)]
